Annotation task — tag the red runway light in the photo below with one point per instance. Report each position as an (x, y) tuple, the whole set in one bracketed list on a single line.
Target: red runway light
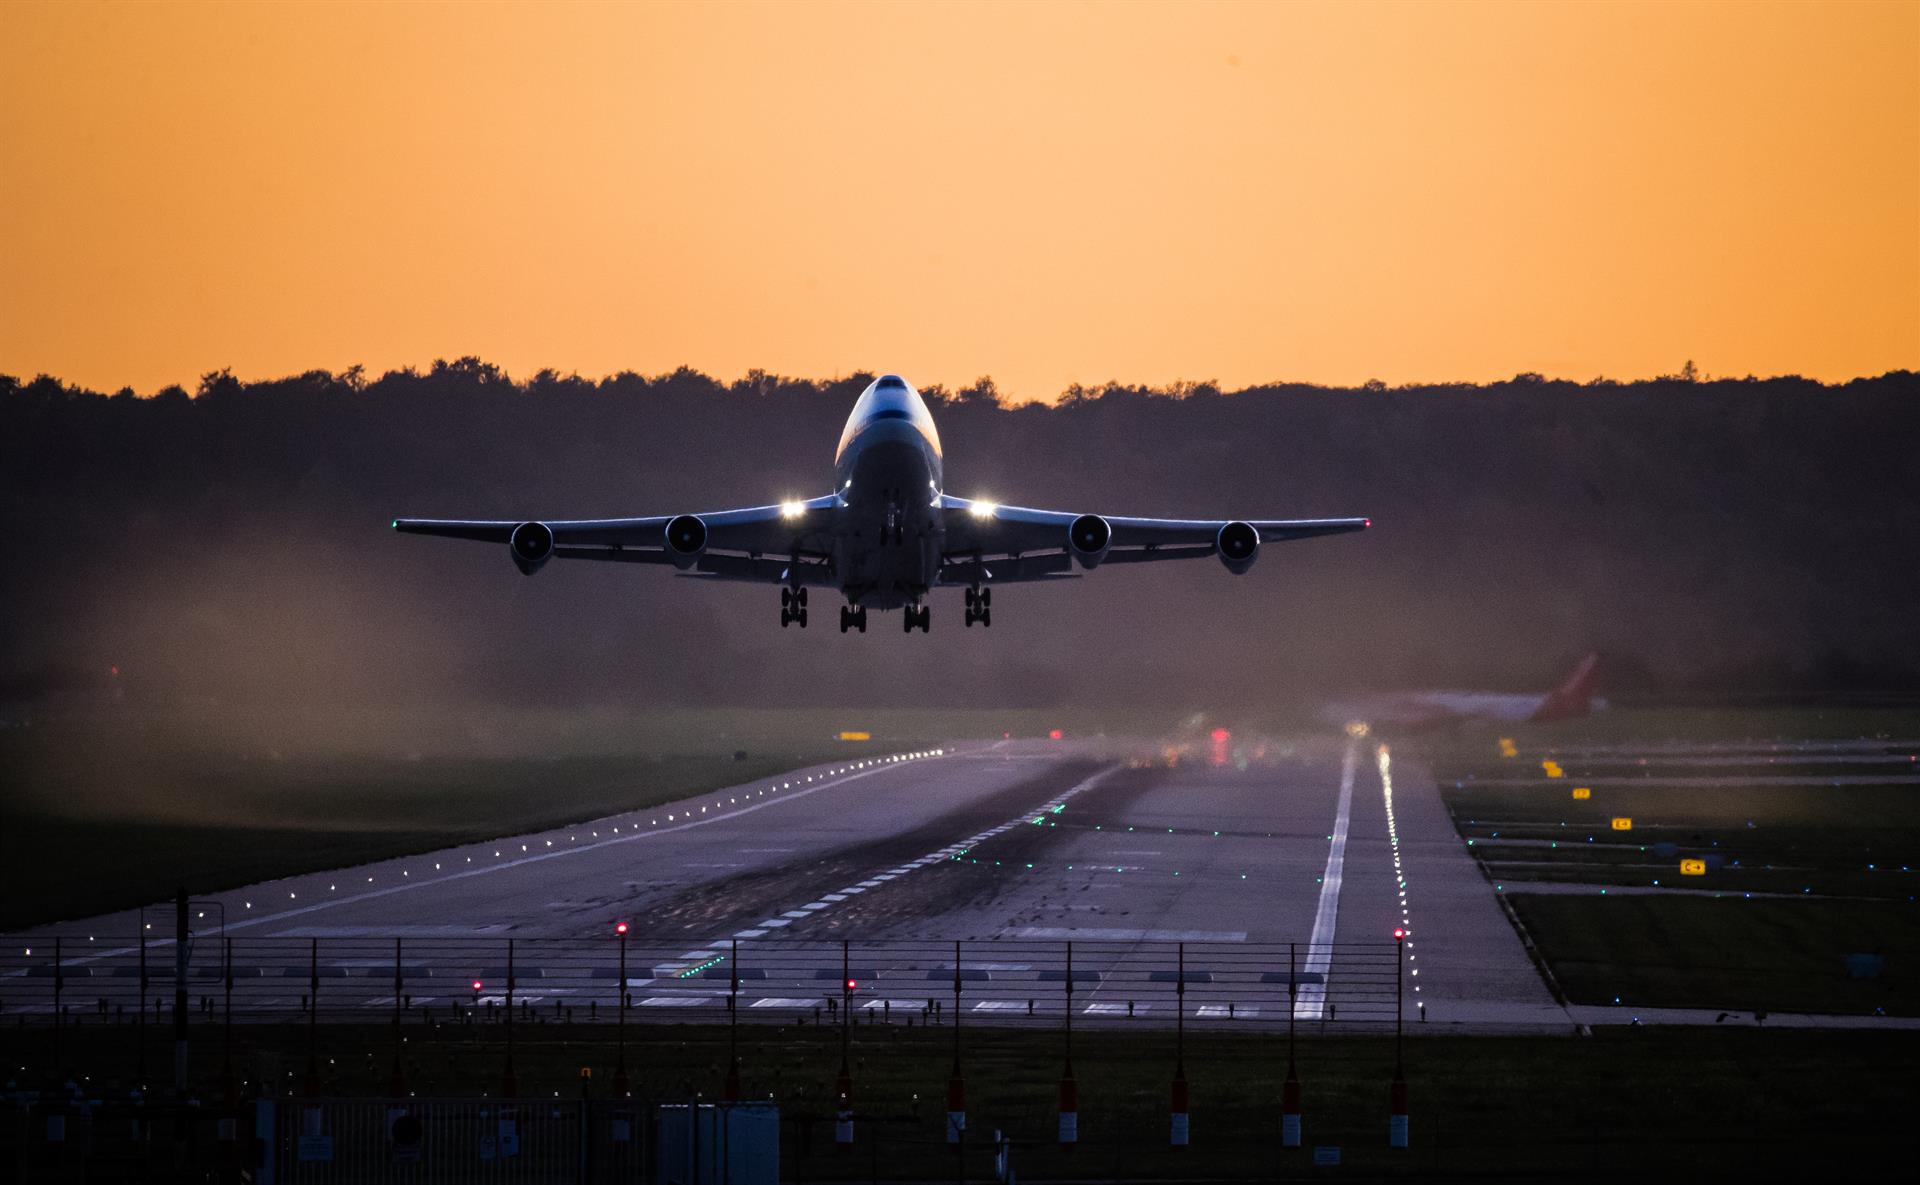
[(1399, 933), (619, 927), (1054, 735), (476, 985), (851, 984)]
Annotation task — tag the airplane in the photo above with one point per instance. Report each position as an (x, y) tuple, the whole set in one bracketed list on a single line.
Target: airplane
[(888, 533), (1416, 710)]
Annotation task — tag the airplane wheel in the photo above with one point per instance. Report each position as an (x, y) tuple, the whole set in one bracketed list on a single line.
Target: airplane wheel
[(968, 618), (846, 619), (906, 619), (786, 598), (986, 618), (800, 616), (785, 618), (800, 597), (926, 619), (986, 597), (860, 619)]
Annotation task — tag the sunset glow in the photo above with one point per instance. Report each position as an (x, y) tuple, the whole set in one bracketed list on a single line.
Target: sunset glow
[(1046, 193)]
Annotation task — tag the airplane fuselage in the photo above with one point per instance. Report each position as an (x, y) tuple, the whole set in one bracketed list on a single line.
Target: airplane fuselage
[(886, 531)]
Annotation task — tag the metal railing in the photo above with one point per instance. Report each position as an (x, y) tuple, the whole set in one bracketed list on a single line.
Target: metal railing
[(494, 980)]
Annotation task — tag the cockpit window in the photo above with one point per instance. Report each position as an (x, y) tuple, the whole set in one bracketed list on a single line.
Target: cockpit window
[(891, 382)]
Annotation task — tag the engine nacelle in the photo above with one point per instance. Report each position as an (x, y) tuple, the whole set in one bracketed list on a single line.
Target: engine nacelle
[(1237, 545), (1088, 538), (531, 545), (686, 540)]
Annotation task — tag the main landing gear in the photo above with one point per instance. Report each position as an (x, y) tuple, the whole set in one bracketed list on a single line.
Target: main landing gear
[(920, 615), (980, 606), (793, 608), (853, 619)]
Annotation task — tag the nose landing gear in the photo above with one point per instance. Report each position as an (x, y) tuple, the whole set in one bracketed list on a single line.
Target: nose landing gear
[(917, 615), (853, 619), (980, 607), (793, 607)]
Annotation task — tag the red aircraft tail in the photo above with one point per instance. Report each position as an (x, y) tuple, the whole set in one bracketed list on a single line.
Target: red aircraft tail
[(1571, 699)]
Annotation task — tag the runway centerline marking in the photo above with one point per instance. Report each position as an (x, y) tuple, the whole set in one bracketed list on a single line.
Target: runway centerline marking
[(1312, 1002), (941, 856)]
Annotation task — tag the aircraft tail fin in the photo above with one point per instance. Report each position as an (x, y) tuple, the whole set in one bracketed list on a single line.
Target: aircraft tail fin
[(1572, 699)]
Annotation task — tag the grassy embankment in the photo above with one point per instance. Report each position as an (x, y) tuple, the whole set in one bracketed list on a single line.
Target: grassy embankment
[(1848, 856), (110, 813), (1627, 1103)]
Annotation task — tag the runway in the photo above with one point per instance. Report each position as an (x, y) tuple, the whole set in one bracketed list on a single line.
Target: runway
[(1260, 888)]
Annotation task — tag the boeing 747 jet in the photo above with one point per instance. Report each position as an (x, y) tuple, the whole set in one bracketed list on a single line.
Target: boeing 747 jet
[(887, 535)]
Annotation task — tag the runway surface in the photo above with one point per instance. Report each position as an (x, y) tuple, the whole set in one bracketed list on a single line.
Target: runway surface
[(1263, 888)]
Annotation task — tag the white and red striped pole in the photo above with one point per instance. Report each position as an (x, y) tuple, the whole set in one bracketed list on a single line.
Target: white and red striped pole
[(1179, 1136), (843, 1110), (1069, 1109), (1290, 1110), (956, 1107)]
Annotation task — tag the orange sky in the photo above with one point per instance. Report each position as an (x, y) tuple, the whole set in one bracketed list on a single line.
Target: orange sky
[(1049, 193)]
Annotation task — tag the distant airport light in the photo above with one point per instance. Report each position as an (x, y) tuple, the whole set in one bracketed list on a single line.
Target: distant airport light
[(1399, 932), (619, 927), (1053, 734), (1583, 792), (1553, 769), (1507, 748)]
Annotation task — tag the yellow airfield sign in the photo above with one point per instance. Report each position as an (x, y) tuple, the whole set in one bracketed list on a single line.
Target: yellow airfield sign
[(1693, 868), (856, 736), (1552, 768), (1622, 823), (1507, 749), (1583, 792)]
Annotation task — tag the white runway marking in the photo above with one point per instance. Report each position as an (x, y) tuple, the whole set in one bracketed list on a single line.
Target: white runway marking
[(1312, 1001)]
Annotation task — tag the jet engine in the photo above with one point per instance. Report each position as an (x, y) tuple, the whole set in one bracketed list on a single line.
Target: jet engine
[(686, 539), (1237, 545), (1088, 538), (531, 545)]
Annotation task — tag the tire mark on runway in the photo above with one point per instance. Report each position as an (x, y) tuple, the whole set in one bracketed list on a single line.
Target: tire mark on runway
[(742, 901)]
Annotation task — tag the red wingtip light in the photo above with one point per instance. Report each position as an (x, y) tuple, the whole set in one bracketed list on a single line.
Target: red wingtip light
[(1365, 523)]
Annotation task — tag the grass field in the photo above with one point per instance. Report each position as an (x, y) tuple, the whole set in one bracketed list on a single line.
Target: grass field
[(1848, 855), (120, 811), (1626, 1103), (1728, 953)]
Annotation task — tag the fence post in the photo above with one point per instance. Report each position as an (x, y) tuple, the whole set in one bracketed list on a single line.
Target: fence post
[(1290, 1090), (1178, 1135), (1069, 1089)]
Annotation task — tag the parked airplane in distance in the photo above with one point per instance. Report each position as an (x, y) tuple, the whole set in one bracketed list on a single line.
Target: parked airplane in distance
[(887, 535), (1415, 710)]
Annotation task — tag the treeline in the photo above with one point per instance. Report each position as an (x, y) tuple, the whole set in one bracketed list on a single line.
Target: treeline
[(1726, 536)]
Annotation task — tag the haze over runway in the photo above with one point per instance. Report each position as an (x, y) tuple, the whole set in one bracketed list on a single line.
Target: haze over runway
[(1278, 853)]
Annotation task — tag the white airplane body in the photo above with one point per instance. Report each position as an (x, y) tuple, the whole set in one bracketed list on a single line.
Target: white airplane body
[(887, 535)]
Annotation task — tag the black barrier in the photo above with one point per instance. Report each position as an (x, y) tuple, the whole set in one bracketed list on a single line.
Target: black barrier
[(1006, 982)]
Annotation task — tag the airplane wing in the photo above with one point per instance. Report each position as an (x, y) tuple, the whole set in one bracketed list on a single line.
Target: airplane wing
[(1046, 541), (751, 543)]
